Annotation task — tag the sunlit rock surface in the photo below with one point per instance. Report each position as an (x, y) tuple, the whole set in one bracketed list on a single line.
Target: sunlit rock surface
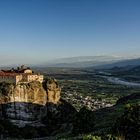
[(27, 92), (26, 103), (53, 91)]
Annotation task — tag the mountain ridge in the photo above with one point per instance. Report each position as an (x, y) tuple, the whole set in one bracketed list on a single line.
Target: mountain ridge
[(92, 61)]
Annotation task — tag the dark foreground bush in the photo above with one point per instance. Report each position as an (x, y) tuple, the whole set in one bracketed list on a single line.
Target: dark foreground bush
[(128, 125), (84, 121)]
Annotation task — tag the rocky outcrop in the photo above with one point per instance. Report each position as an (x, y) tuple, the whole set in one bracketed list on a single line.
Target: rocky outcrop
[(35, 109), (25, 103), (27, 92), (53, 91)]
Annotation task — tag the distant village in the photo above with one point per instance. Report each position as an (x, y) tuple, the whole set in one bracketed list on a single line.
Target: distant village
[(79, 101), (21, 74)]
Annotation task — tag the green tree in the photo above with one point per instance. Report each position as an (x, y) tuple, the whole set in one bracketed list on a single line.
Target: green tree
[(128, 125), (84, 121)]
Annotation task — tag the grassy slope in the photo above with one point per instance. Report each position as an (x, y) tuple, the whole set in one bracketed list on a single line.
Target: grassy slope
[(106, 117)]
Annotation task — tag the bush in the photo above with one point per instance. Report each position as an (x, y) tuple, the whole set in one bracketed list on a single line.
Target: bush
[(84, 121), (128, 125), (90, 137), (102, 137)]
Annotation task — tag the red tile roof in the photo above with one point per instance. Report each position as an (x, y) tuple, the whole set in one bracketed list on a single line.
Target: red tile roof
[(7, 73)]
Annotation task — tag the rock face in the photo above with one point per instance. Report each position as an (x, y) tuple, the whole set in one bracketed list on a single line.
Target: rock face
[(27, 92), (53, 91), (59, 117), (26, 103)]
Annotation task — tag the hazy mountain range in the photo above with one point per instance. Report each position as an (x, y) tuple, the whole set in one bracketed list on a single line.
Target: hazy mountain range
[(94, 61)]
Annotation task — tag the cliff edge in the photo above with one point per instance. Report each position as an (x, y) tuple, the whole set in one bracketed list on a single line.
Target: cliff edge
[(25, 103)]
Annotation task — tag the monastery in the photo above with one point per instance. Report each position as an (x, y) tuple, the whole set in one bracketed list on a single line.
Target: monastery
[(22, 74)]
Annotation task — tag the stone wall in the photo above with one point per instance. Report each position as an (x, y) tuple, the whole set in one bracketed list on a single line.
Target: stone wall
[(35, 77), (9, 79), (22, 78), (18, 78)]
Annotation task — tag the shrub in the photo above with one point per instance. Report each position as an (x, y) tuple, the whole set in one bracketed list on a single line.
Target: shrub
[(84, 121), (128, 125)]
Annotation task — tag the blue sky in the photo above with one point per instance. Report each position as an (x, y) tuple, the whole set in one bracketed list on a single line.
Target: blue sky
[(34, 31)]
